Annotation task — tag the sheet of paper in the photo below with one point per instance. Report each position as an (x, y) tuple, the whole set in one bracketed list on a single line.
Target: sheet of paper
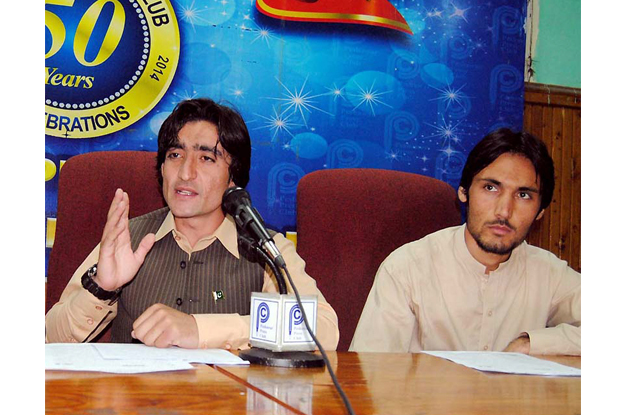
[(142, 352), (85, 357), (504, 362), (129, 358)]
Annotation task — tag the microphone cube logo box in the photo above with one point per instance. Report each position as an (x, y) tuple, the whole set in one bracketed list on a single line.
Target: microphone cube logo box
[(277, 322)]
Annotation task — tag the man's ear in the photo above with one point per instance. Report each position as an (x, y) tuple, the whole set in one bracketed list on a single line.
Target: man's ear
[(462, 194), (540, 214), (230, 179)]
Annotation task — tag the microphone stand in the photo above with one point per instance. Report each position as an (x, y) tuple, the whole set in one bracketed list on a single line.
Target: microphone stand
[(266, 357), (297, 359), (275, 261), (258, 254)]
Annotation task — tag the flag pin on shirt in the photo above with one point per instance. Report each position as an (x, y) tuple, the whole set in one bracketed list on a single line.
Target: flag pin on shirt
[(218, 295)]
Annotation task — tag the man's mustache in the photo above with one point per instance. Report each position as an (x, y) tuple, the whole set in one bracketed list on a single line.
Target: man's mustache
[(501, 222)]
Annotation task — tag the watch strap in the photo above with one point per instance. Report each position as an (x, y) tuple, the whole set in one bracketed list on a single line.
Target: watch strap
[(90, 285)]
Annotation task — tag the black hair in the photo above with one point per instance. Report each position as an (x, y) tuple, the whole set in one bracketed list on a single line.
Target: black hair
[(504, 141), (231, 128)]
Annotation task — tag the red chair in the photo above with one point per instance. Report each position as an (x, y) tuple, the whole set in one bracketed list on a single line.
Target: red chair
[(87, 184), (350, 220)]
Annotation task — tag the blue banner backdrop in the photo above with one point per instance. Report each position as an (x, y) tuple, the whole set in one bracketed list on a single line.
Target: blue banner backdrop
[(315, 95)]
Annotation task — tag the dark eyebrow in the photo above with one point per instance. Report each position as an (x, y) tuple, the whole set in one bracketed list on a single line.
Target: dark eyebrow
[(493, 181), (197, 147), (528, 189), (209, 149), (176, 145)]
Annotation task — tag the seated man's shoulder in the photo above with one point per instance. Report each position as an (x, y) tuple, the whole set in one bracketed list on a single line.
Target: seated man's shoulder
[(542, 259), (422, 251)]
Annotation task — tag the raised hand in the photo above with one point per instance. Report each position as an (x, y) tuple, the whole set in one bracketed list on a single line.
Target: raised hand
[(118, 264)]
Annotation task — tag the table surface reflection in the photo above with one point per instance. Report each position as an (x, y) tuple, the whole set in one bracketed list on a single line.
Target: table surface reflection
[(376, 383)]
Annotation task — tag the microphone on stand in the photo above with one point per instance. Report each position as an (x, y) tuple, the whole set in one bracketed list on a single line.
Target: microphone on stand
[(269, 309), (277, 335)]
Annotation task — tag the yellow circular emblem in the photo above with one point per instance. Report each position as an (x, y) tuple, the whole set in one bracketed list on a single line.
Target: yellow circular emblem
[(108, 63)]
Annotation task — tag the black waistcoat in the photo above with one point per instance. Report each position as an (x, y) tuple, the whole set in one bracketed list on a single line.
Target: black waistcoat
[(210, 281)]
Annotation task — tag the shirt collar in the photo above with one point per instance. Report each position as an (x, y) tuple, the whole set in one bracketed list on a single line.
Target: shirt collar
[(463, 254), (226, 233), (465, 257)]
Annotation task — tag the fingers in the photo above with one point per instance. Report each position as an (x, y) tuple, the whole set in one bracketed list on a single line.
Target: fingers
[(117, 218), (136, 326), (119, 207), (148, 328), (163, 326), (116, 199), (144, 247), (117, 262), (519, 345)]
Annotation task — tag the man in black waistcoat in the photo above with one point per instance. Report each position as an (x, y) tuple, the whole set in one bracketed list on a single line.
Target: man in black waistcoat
[(175, 276)]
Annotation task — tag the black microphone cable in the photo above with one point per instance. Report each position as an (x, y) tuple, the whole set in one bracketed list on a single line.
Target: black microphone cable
[(235, 196), (253, 248), (251, 245), (348, 405)]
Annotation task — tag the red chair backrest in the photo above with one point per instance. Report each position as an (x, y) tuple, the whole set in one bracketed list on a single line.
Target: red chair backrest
[(350, 220), (87, 184)]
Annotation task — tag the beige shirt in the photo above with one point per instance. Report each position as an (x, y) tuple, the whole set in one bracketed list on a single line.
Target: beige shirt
[(431, 294), (79, 316)]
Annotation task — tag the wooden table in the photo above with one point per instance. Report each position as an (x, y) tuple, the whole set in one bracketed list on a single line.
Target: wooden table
[(376, 383)]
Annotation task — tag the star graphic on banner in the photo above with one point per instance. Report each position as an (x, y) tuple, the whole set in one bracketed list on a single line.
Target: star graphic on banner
[(448, 132), (449, 151), (279, 122), (243, 26), (392, 155), (370, 97), (237, 92), (299, 101), (450, 96), (183, 96), (458, 12), (335, 91), (434, 13), (264, 34), (479, 46), (191, 14)]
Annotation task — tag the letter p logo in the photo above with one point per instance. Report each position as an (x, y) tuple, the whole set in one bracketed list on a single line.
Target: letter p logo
[(295, 317), (262, 314)]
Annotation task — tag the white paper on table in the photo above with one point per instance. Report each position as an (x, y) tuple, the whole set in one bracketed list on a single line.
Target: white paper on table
[(142, 352), (85, 357), (129, 358), (505, 362)]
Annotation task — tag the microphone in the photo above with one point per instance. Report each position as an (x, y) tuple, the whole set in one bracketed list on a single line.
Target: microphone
[(268, 315), (280, 333), (237, 203)]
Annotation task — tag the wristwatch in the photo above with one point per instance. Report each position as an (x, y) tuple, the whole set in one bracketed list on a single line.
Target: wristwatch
[(90, 285)]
